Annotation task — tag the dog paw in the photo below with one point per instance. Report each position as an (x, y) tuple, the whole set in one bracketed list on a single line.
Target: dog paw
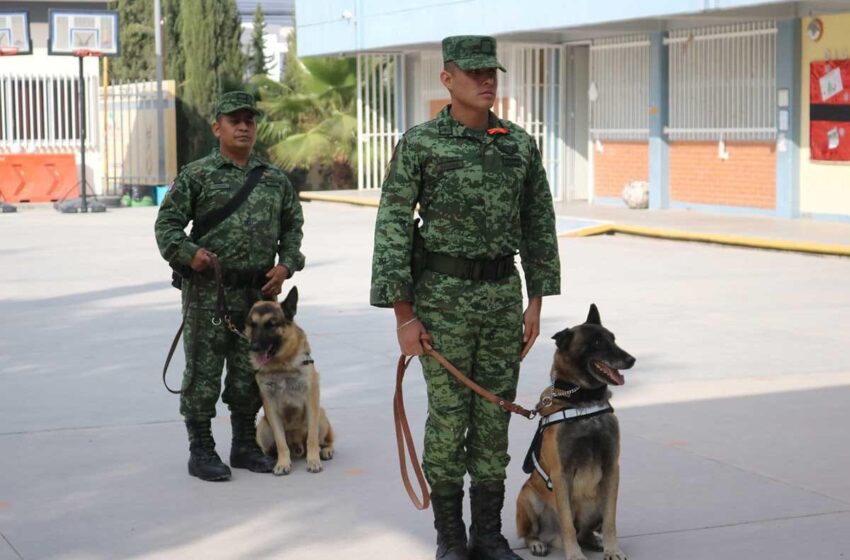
[(326, 453), (314, 466), (281, 469), (614, 554), (538, 548), (297, 450)]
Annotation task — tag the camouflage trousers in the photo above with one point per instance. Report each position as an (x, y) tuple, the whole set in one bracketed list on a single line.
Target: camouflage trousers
[(464, 432), (208, 347)]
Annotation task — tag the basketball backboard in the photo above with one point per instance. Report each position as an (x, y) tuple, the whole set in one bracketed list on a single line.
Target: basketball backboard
[(83, 31), (15, 33)]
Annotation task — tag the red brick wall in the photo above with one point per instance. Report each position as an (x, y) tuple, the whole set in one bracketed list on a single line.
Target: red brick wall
[(747, 178), (617, 164)]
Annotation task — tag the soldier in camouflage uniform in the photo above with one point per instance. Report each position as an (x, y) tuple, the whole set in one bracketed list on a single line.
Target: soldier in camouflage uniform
[(267, 225), (483, 196)]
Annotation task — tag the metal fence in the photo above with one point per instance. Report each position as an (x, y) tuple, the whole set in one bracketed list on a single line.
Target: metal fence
[(130, 156), (723, 82), (40, 113), (619, 88), (380, 114)]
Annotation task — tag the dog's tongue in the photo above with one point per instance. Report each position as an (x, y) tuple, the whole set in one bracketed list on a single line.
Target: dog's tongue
[(612, 374), (264, 357)]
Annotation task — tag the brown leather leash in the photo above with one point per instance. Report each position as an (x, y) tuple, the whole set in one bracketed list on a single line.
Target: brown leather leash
[(402, 428)]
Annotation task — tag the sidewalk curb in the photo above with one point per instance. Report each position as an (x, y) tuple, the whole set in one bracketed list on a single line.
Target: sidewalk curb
[(658, 233), (734, 240), (322, 197)]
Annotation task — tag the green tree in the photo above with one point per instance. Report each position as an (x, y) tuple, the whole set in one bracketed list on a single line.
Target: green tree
[(213, 63), (173, 59), (258, 62), (316, 126), (136, 34)]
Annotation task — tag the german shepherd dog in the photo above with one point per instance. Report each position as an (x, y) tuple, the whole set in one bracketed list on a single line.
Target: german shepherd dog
[(579, 450), (289, 387)]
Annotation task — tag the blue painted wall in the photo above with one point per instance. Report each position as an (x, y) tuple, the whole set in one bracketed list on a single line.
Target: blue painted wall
[(345, 26)]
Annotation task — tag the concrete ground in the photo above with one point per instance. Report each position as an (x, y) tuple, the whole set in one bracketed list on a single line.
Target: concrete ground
[(734, 419)]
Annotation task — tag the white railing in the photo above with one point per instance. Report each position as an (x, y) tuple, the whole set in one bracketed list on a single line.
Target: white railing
[(619, 84), (40, 113), (380, 115), (723, 82)]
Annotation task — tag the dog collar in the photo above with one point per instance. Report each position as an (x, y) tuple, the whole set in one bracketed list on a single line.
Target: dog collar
[(575, 393)]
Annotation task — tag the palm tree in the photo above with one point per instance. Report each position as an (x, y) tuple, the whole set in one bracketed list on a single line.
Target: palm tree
[(314, 127)]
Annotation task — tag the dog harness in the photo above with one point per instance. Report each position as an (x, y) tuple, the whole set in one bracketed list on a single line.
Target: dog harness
[(574, 392)]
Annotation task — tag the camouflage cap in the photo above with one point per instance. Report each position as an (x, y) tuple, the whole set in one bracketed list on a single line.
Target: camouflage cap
[(471, 52), (235, 100)]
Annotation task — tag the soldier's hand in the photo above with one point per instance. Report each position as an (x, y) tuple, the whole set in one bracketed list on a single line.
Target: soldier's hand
[(202, 260), (276, 276), (530, 324), (413, 339)]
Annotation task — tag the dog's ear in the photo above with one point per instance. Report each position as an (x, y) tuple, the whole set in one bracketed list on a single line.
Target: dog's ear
[(563, 339), (593, 316), (290, 304)]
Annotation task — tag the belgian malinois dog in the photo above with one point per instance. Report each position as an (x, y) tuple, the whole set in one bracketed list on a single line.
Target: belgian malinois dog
[(289, 387), (574, 460)]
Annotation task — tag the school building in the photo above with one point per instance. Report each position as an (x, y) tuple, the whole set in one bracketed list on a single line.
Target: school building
[(733, 106)]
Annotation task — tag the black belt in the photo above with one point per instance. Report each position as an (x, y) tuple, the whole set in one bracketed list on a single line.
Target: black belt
[(239, 278), (470, 269)]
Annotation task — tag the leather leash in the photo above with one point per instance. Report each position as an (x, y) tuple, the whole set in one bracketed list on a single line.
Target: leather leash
[(222, 314), (404, 439)]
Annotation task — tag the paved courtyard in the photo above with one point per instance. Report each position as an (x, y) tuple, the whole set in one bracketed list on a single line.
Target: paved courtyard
[(734, 420)]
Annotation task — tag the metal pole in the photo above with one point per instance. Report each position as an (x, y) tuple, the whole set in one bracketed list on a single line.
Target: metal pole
[(160, 117), (82, 101)]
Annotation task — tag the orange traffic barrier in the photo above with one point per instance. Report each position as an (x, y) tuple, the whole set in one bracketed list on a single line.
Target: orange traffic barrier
[(38, 177)]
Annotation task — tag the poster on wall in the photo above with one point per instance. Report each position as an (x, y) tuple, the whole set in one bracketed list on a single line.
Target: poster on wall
[(829, 110)]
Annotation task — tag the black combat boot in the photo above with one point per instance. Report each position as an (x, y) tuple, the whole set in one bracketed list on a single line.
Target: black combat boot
[(204, 462), (447, 503), (244, 451), (485, 532)]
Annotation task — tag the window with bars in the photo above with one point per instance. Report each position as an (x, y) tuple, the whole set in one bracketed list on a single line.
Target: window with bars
[(722, 82), (619, 88)]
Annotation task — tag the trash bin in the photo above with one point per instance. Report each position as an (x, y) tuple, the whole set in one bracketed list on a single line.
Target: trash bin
[(161, 191)]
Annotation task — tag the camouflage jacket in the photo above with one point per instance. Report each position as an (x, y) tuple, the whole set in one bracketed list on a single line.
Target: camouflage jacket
[(266, 225), (481, 195)]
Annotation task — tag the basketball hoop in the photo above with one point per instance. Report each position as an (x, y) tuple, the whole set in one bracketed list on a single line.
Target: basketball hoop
[(86, 52), (8, 51)]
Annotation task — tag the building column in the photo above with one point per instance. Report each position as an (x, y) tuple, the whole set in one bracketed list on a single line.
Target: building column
[(788, 50), (659, 158)]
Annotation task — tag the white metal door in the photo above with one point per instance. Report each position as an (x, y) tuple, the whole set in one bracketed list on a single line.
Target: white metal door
[(380, 114)]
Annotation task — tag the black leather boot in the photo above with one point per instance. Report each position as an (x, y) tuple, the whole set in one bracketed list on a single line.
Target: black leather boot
[(204, 462), (244, 451), (447, 503), (485, 532)]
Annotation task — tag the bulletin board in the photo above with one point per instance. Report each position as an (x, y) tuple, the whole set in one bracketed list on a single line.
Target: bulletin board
[(829, 110)]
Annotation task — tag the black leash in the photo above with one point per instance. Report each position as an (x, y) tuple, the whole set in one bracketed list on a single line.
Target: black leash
[(222, 315)]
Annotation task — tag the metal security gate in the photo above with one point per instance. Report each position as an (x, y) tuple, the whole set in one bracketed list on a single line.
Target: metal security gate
[(530, 95), (380, 115), (723, 82), (130, 150), (619, 88), (39, 113)]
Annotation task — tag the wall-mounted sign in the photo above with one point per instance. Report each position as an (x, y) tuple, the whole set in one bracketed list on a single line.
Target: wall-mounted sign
[(829, 110)]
